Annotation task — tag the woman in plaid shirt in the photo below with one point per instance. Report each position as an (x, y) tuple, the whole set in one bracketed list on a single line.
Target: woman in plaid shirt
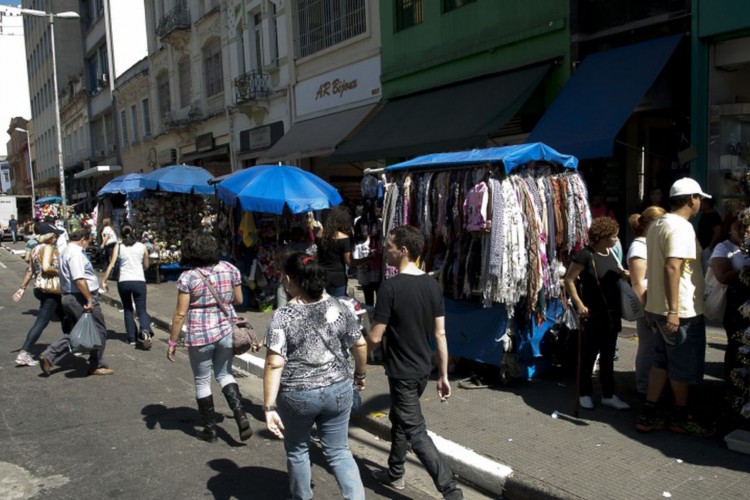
[(209, 331)]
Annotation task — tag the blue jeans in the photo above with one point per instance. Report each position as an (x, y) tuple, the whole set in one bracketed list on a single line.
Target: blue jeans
[(329, 408), (217, 356), (131, 291), (49, 305), (336, 291)]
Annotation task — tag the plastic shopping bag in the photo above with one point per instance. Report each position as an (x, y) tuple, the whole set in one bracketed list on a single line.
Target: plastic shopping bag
[(84, 337)]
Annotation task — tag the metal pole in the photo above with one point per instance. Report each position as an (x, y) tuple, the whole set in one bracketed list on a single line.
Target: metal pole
[(60, 165)]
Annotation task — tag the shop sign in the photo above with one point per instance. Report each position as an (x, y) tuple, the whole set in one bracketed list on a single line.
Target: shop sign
[(343, 86), (259, 138)]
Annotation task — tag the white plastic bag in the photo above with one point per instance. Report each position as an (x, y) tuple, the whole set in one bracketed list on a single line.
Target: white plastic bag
[(84, 337), (714, 297)]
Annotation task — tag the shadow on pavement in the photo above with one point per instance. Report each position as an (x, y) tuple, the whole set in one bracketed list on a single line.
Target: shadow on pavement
[(245, 482)]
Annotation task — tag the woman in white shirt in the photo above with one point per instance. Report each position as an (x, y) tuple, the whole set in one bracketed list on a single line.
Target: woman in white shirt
[(727, 260), (644, 357), (132, 257)]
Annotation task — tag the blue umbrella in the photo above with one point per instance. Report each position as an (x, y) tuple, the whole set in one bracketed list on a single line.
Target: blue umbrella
[(179, 179), (267, 188), (128, 184), (48, 199)]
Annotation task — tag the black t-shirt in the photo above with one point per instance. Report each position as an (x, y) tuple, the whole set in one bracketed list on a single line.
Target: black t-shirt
[(606, 294), (705, 232), (331, 257), (409, 304)]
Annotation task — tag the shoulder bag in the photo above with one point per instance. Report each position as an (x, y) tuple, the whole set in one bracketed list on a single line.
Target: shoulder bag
[(44, 282), (631, 308), (243, 334), (714, 297)]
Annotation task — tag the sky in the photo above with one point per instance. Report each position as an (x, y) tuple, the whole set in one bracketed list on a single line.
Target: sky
[(129, 42)]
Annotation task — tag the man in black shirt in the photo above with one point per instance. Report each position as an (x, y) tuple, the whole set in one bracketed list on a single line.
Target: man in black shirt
[(409, 311)]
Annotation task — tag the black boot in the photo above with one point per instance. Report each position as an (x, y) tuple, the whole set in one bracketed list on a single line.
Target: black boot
[(208, 419), (232, 393)]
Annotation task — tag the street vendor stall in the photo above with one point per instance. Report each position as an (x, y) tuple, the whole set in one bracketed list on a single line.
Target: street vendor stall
[(264, 203), (499, 224)]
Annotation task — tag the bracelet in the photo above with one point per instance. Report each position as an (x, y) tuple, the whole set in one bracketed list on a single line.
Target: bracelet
[(269, 408), (360, 376), (171, 343), (671, 312)]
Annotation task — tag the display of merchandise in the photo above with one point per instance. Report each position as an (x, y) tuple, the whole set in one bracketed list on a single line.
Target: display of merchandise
[(164, 219), (739, 342)]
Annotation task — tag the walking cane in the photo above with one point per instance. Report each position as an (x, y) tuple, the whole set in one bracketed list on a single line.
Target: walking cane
[(578, 369)]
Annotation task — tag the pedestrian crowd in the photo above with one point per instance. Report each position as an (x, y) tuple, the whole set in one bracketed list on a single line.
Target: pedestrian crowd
[(316, 348)]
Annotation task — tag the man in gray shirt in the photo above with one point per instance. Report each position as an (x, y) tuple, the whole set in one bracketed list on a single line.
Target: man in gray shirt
[(80, 294)]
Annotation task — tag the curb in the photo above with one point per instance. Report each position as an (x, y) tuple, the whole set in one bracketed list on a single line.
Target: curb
[(478, 470)]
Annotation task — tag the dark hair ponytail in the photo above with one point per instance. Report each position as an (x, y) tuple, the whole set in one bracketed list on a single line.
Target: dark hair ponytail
[(307, 273), (128, 238)]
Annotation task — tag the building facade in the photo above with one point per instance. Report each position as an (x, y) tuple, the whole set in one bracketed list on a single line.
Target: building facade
[(18, 157), (137, 145), (720, 102)]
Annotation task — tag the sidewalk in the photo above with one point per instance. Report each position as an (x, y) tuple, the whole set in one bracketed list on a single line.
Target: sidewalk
[(522, 451)]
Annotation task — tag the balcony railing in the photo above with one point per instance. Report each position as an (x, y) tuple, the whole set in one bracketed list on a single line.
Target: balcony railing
[(176, 19), (251, 86)]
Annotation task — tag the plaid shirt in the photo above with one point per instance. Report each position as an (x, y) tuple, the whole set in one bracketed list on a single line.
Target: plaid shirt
[(206, 323)]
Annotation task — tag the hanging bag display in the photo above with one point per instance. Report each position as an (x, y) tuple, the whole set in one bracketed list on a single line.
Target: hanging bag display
[(243, 334), (714, 297)]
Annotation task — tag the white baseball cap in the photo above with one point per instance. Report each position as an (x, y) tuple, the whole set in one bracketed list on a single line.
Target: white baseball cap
[(686, 186)]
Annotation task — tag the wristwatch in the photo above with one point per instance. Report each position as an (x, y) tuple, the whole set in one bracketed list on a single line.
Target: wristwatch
[(269, 408)]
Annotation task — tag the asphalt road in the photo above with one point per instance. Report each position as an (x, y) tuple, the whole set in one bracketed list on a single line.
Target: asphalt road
[(131, 434)]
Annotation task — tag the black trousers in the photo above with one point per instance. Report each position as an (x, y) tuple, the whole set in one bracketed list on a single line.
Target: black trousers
[(408, 428), (599, 336)]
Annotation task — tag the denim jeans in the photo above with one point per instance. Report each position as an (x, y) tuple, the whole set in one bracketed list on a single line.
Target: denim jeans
[(408, 428), (329, 408), (134, 291), (217, 357), (49, 305), (336, 291)]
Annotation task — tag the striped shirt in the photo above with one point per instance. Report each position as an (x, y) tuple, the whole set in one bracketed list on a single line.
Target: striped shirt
[(206, 323)]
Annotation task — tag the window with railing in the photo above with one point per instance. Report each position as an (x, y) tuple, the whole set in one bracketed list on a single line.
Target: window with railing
[(449, 5), (251, 86), (323, 23), (212, 72), (176, 19), (124, 127), (183, 73), (408, 13)]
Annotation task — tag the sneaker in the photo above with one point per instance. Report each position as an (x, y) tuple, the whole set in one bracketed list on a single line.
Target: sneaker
[(384, 478), (101, 371), (25, 359), (132, 343), (146, 340), (648, 424), (616, 403), (586, 402), (691, 427)]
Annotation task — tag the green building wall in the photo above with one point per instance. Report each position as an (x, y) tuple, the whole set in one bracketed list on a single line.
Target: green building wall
[(479, 38)]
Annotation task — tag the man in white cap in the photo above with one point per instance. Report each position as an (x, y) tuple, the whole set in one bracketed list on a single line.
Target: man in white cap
[(674, 306)]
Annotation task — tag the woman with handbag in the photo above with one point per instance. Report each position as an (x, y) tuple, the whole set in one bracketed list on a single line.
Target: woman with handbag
[(205, 292), (308, 376), (131, 257), (109, 240), (637, 256), (43, 270), (727, 261), (598, 307)]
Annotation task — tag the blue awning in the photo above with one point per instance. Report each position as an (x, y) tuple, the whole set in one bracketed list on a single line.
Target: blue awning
[(510, 156), (600, 96)]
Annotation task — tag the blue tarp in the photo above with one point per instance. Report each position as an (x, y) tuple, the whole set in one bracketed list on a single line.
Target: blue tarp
[(130, 185), (600, 96), (511, 157), (48, 199)]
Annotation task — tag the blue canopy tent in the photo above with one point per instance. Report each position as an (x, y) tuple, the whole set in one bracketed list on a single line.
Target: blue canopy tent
[(269, 188), (474, 331), (130, 185), (179, 179)]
